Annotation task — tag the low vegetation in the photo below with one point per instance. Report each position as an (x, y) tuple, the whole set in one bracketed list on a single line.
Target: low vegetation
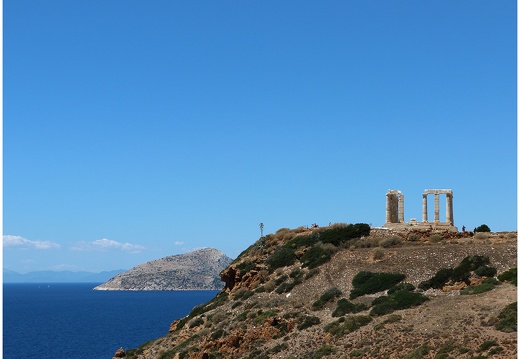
[(401, 299), (461, 273), (508, 318), (366, 282), (509, 276)]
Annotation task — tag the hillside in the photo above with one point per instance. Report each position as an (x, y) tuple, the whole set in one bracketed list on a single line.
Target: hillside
[(326, 293), (197, 270)]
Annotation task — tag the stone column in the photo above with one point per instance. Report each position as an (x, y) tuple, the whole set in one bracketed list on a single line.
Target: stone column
[(449, 208), (436, 207), (388, 208), (401, 208), (425, 207)]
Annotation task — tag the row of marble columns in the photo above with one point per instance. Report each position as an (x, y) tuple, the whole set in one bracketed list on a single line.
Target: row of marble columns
[(449, 206)]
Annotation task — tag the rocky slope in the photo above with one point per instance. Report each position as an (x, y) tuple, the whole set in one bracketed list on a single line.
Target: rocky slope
[(198, 270), (291, 295)]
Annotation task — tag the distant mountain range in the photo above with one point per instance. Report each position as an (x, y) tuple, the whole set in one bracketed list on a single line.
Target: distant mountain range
[(197, 270), (10, 276)]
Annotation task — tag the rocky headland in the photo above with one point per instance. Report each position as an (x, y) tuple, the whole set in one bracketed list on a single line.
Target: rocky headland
[(197, 270), (348, 291)]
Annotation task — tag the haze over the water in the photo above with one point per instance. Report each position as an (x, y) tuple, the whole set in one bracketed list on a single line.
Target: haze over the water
[(136, 130)]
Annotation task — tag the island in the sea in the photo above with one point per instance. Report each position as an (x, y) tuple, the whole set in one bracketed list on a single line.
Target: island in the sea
[(197, 270)]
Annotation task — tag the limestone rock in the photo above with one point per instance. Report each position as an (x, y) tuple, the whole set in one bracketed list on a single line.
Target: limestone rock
[(197, 270), (120, 353)]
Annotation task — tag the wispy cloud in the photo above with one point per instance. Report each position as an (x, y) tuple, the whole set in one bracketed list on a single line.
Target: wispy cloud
[(107, 245), (20, 242), (179, 243)]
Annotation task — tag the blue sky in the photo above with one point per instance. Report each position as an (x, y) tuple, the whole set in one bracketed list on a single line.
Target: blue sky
[(135, 130)]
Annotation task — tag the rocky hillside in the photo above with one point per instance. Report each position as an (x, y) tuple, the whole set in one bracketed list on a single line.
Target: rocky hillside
[(198, 270), (347, 291)]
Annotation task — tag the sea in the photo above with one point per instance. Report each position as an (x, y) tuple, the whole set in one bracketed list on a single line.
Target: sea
[(71, 320)]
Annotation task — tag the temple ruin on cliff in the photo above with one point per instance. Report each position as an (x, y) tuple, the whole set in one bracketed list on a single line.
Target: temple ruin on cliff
[(395, 211)]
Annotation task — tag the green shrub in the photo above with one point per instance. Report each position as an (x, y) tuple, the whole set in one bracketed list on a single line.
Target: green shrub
[(280, 279), (468, 264), (297, 273), (419, 352), (329, 295), (438, 280), (510, 276), (311, 273), (344, 306), (219, 333), (302, 241), (457, 274), (486, 271), (401, 299), (285, 287), (347, 325), (195, 322), (488, 344), (368, 282), (314, 257), (401, 286), (338, 235), (477, 289), (278, 348), (323, 351), (508, 319), (263, 315), (281, 257), (307, 321), (356, 353), (482, 228), (246, 266)]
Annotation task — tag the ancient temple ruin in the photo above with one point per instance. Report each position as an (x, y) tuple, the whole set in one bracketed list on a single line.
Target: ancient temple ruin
[(395, 211)]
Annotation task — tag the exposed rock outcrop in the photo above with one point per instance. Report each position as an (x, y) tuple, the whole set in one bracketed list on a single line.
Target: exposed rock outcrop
[(197, 270)]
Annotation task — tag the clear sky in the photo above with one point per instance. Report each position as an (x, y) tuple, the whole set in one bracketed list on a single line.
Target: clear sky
[(134, 130)]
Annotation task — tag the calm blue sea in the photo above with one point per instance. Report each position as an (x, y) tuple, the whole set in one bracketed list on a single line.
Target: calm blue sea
[(70, 320)]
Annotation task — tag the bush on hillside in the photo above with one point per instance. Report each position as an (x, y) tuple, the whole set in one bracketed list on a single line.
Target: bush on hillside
[(401, 286), (281, 257), (510, 276), (347, 325), (344, 306), (481, 288), (302, 241), (402, 299), (508, 319), (468, 264), (486, 271), (328, 296), (314, 257), (390, 241), (338, 235), (482, 228), (369, 282), (307, 321), (458, 274)]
